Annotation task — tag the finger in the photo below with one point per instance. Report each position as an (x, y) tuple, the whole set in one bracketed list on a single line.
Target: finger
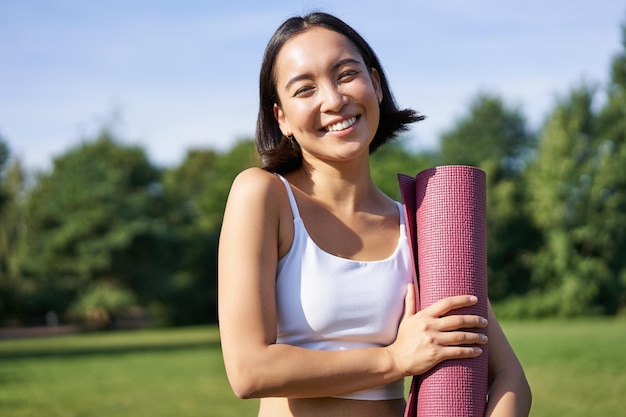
[(458, 321), (457, 352), (462, 339), (445, 305), (409, 301)]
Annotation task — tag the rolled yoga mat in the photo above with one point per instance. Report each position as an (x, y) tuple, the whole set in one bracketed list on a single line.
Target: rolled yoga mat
[(446, 208)]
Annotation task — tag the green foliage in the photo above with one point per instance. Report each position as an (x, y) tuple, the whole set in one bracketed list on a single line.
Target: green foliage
[(559, 182), (577, 191), (97, 215), (12, 231), (102, 303), (200, 184), (393, 159), (491, 134), (106, 229), (198, 188), (610, 186)]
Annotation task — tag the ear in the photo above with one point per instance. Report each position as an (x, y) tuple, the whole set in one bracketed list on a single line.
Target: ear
[(283, 124), (377, 85)]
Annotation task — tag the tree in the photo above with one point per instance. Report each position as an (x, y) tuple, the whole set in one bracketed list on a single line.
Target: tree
[(569, 272), (610, 183), (12, 230), (96, 217), (496, 138), (578, 188), (102, 302), (492, 135), (197, 190)]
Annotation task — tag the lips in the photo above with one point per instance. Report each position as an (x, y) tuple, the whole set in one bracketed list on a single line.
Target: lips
[(342, 125)]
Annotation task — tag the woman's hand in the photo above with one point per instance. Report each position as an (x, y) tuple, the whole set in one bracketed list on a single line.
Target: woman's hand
[(427, 338)]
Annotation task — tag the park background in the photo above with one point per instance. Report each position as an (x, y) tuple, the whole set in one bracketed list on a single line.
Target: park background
[(122, 129)]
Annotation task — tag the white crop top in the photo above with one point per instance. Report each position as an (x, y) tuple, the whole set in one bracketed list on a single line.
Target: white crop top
[(326, 302)]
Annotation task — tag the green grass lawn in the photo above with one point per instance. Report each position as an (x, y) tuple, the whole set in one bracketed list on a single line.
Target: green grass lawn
[(171, 372), (575, 368)]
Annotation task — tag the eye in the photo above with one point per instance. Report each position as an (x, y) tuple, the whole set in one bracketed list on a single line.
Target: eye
[(303, 91), (348, 75)]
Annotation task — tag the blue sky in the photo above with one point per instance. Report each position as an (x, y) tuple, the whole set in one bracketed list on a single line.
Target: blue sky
[(171, 75)]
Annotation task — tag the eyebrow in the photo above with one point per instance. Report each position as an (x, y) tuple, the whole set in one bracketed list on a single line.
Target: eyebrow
[(309, 76)]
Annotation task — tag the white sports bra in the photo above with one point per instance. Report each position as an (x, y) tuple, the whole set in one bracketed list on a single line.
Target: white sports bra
[(326, 302)]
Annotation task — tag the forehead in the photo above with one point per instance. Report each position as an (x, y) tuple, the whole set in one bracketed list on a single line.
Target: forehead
[(315, 48)]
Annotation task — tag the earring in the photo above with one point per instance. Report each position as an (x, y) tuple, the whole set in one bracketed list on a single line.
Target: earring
[(291, 140)]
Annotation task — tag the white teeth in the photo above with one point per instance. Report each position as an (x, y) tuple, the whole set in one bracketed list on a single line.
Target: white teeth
[(342, 125)]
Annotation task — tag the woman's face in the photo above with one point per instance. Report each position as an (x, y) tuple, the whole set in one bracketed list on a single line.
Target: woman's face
[(329, 99)]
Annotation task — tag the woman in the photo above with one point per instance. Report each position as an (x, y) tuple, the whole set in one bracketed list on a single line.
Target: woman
[(317, 311)]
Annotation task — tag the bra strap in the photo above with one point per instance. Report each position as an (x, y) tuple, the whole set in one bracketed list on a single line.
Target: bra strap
[(402, 221), (292, 199)]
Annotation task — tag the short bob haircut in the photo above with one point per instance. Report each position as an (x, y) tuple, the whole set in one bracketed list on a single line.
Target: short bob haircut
[(280, 154)]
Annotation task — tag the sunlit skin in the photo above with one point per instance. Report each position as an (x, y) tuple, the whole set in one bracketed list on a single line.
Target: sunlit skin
[(321, 80)]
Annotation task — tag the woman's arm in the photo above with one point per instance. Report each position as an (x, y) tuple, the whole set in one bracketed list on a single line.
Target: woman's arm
[(509, 392), (259, 367)]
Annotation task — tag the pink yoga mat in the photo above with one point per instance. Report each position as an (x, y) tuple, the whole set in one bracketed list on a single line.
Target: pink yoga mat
[(445, 209)]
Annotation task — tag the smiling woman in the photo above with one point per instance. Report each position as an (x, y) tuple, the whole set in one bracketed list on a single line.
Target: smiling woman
[(317, 310), (318, 99)]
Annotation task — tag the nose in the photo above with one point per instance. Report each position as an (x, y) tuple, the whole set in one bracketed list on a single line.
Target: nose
[(333, 99)]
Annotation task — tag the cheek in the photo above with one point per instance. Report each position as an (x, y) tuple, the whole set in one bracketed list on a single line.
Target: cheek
[(301, 115), (373, 106), (368, 94), (375, 117)]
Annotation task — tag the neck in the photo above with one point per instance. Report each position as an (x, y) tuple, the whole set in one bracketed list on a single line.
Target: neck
[(346, 186)]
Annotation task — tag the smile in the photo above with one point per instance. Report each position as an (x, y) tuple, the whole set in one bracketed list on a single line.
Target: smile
[(344, 124)]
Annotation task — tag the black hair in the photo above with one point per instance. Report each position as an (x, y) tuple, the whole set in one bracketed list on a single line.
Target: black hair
[(280, 154)]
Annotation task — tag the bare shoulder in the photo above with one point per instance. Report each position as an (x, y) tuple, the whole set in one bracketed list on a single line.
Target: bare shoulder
[(258, 201), (255, 185), (255, 182), (256, 191)]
